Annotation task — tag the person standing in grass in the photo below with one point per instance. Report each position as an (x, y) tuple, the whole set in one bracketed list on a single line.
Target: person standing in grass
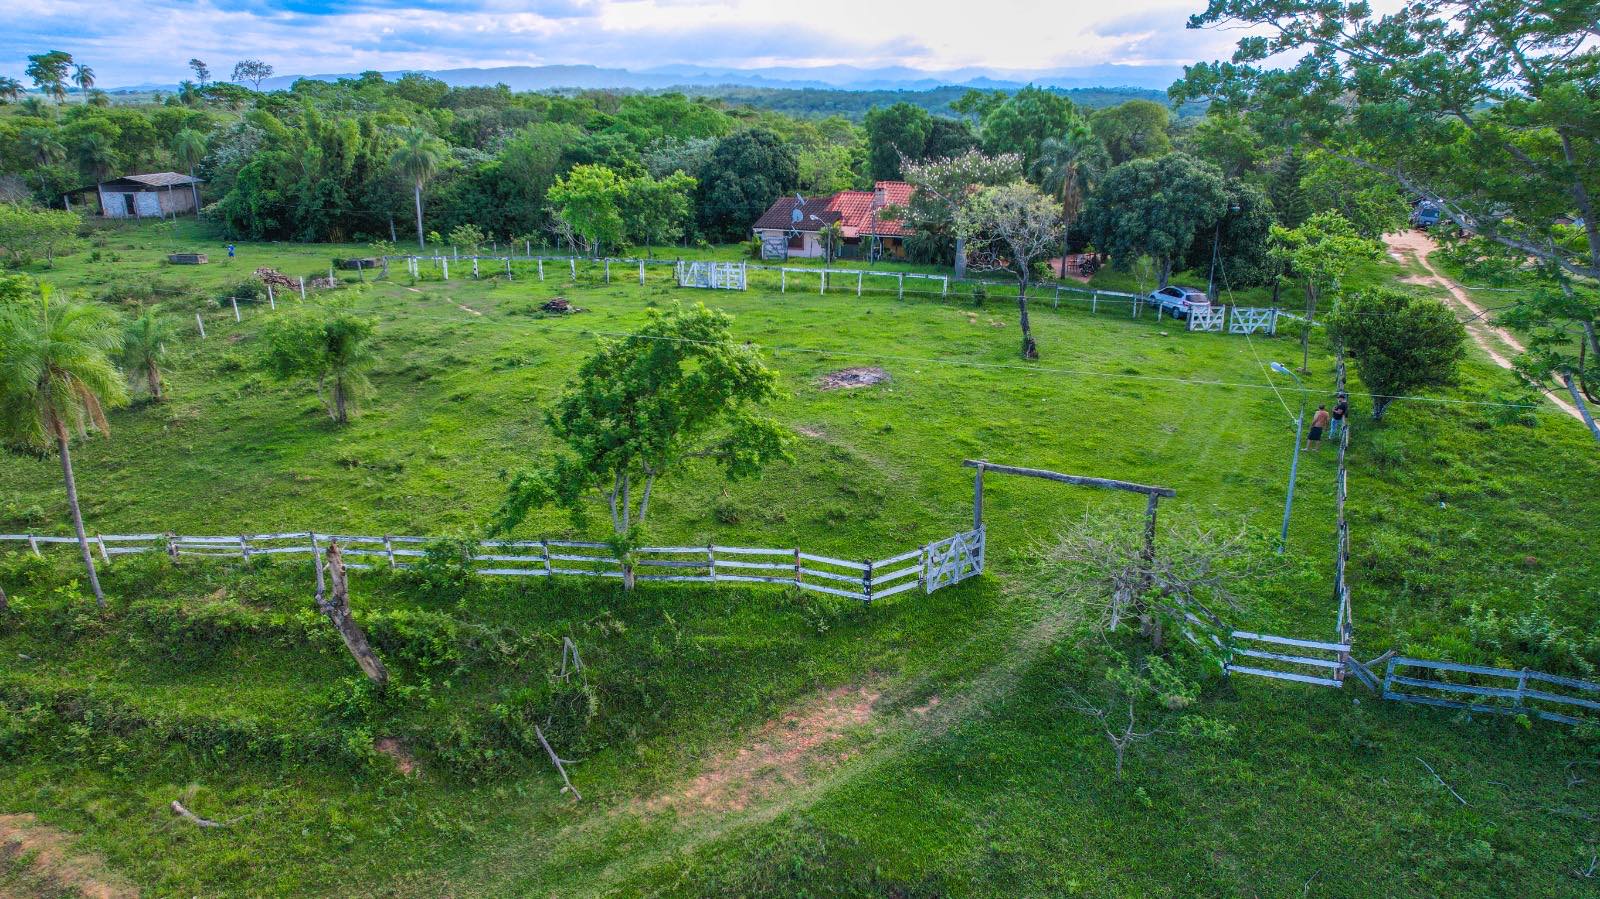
[(1340, 410), (1318, 422)]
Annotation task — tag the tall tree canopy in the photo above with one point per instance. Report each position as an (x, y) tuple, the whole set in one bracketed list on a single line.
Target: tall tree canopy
[(746, 172), (1133, 130), (1401, 343), (1154, 208), (894, 132), (1024, 121)]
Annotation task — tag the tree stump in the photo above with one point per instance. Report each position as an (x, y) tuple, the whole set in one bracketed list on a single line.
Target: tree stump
[(336, 605)]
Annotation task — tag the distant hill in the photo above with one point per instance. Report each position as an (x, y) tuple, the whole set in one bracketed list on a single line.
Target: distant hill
[(853, 104)]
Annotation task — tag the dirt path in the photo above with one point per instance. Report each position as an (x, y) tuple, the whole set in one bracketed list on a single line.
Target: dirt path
[(40, 861), (1492, 340)]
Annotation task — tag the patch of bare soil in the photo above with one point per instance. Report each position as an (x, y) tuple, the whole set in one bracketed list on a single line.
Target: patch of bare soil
[(851, 378), (404, 762), (50, 868), (781, 754), (804, 431)]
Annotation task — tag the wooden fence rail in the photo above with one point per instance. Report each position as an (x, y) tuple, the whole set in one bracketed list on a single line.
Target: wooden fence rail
[(1508, 693), (930, 567)]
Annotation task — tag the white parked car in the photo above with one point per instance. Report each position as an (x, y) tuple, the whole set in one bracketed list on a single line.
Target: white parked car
[(1178, 302)]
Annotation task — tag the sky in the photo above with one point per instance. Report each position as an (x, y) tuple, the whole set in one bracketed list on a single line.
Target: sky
[(130, 42)]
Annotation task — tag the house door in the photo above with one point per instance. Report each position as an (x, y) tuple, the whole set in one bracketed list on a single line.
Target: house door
[(797, 241), (127, 200)]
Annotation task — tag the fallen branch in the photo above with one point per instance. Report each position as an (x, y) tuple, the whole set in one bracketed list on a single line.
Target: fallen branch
[(193, 818), (557, 760), (1441, 781)]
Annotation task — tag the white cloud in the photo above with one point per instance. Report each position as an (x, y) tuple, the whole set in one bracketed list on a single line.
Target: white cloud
[(151, 40)]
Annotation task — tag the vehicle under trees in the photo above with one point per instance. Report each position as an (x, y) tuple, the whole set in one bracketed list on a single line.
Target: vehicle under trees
[(1153, 208)]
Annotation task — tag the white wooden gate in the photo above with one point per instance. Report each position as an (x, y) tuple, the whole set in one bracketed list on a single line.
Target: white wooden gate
[(1253, 321), (955, 559), (1207, 319), (714, 275)]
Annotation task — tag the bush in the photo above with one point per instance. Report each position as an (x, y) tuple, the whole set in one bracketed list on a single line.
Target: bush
[(250, 290), (980, 295)]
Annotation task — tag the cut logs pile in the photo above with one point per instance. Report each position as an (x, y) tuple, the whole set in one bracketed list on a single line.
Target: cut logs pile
[(559, 306), (279, 279)]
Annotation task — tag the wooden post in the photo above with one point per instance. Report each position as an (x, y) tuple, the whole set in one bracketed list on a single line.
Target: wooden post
[(33, 544), (711, 560), (544, 547), (270, 300), (101, 542), (859, 277), (474, 268), (823, 283), (201, 325), (944, 288), (977, 497), (1056, 303), (783, 280), (527, 247), (641, 273), (244, 548), (866, 581), (744, 282), (337, 607), (302, 288), (541, 269), (455, 253), (572, 261), (1094, 302), (172, 547), (608, 270), (446, 264), (388, 548), (508, 268), (902, 279), (235, 302)]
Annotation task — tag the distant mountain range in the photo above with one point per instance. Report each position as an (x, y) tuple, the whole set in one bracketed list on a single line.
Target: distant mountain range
[(534, 78)]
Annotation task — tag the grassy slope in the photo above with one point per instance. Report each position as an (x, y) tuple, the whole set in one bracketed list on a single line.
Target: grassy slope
[(1025, 802)]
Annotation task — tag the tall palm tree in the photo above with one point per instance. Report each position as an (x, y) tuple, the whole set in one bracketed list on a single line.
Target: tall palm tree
[(42, 146), (189, 146), (83, 77), (97, 155), (10, 89), (1067, 168), (35, 107), (56, 380), (418, 158), (146, 347)]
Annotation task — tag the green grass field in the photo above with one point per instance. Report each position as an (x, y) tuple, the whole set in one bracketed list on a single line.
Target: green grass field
[(952, 766)]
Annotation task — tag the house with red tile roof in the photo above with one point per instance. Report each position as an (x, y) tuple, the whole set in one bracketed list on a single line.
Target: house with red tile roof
[(790, 226)]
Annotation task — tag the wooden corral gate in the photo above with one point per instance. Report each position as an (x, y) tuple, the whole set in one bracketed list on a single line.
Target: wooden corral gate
[(1288, 658), (954, 559), (1253, 321), (1207, 319), (713, 275)]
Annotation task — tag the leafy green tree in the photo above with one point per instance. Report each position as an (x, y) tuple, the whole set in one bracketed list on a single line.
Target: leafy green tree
[(656, 209), (332, 347), (252, 70), (827, 169), (1288, 191), (589, 200), (1487, 109), (947, 138), (147, 344), (56, 381), (83, 77), (680, 388), (1011, 227), (1068, 167), (10, 89), (189, 146), (1227, 142), (1154, 208), (1319, 254), (418, 158), (469, 238), (1242, 240), (49, 73), (1133, 130), (27, 234), (895, 132), (1024, 121), (943, 187), (747, 171), (1401, 343), (1370, 201)]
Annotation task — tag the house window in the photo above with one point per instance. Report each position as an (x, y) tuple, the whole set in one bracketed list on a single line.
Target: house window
[(797, 241)]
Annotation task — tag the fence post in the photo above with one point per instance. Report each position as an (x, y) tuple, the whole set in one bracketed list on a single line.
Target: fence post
[(573, 262), (711, 560), (388, 549), (270, 301), (244, 548), (608, 270), (944, 285), (316, 562), (508, 268), (859, 276), (455, 253), (446, 264), (333, 280), (474, 268), (1094, 302), (799, 578), (527, 247), (172, 547), (541, 268), (101, 542), (33, 544), (902, 279), (1056, 303), (201, 325), (823, 284), (866, 581), (641, 273), (235, 302), (302, 288), (923, 561), (744, 281)]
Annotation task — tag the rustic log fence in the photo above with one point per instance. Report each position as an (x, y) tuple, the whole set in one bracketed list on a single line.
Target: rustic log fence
[(930, 567)]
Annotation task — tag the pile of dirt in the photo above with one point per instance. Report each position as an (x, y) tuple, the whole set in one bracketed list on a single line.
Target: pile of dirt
[(851, 378), (51, 869), (276, 278), (559, 306)]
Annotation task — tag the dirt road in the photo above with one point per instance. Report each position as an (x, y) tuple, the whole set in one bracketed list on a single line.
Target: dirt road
[(1498, 343)]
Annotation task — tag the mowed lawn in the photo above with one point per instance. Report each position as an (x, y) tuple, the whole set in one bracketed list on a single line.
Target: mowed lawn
[(1455, 503)]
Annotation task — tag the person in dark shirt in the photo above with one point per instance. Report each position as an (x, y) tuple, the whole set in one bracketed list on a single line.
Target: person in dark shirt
[(1340, 410), (1319, 421)]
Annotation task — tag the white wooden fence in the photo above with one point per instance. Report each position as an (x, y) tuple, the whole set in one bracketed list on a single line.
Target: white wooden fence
[(1507, 693), (712, 275), (930, 567)]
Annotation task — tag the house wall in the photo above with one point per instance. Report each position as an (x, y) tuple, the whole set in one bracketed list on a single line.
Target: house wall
[(810, 248), (146, 203)]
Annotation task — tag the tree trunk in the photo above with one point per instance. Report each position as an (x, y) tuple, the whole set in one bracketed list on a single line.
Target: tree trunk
[(152, 375), (1577, 401), (194, 190), (339, 413), (1380, 404), (421, 245), (1164, 273), (961, 258), (5, 607), (1305, 329), (62, 443), (1030, 350), (337, 608)]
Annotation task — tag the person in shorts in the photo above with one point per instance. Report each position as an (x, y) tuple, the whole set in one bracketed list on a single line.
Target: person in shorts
[(1319, 421)]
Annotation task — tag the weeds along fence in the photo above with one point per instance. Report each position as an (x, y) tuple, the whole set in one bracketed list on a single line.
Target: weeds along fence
[(929, 567)]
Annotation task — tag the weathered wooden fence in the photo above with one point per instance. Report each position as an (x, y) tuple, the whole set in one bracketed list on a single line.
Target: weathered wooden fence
[(1288, 658), (929, 567), (1499, 691)]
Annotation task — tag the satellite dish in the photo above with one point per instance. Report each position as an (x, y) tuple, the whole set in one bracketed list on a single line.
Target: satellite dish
[(796, 215)]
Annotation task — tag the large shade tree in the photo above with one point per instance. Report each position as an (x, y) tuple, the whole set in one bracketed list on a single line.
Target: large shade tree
[(680, 388), (1010, 227), (746, 172), (588, 199), (1022, 122), (1486, 108), (331, 347), (1401, 343), (1068, 167), (56, 381), (894, 133), (1153, 208)]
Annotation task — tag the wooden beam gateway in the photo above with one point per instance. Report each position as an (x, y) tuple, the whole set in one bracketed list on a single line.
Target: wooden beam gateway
[(1154, 494)]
